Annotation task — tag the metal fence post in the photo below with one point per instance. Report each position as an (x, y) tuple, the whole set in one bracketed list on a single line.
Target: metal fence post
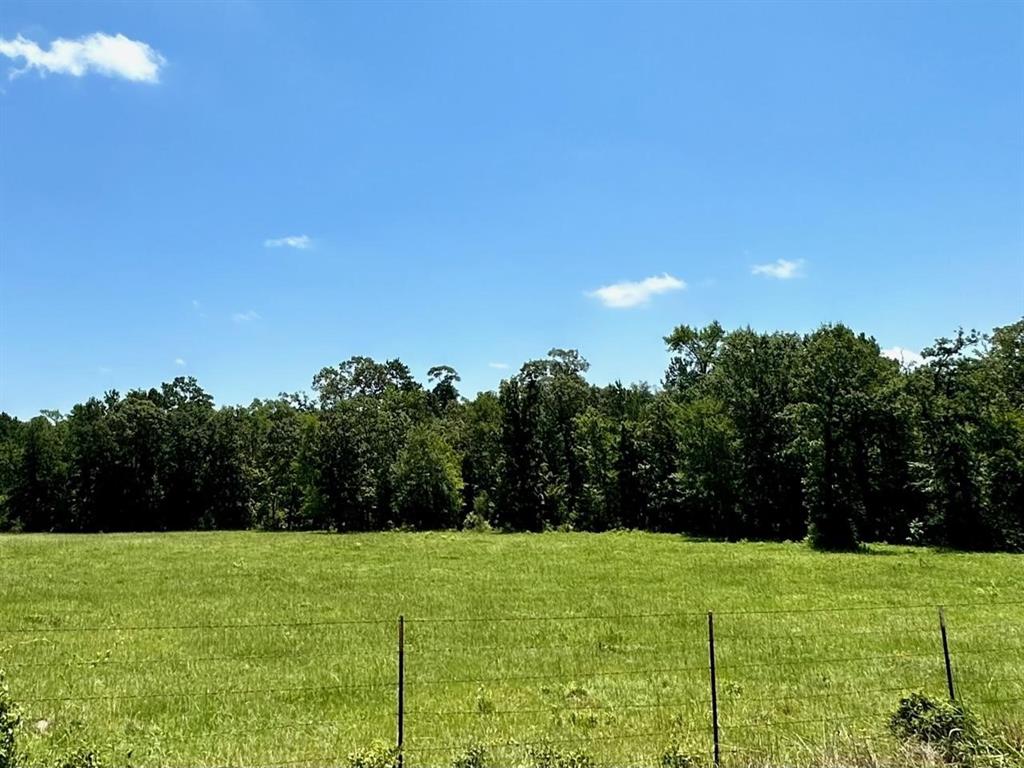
[(714, 686), (945, 653), (401, 688)]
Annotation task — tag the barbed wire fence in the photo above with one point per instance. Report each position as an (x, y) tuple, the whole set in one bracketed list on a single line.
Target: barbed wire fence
[(716, 688)]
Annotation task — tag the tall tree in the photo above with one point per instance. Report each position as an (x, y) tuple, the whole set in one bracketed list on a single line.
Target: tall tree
[(522, 502), (39, 497), (694, 351), (427, 481), (840, 377)]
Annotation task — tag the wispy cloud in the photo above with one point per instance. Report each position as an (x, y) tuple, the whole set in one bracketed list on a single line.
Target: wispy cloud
[(246, 317), (498, 366), (780, 269), (109, 55), (180, 362), (302, 242), (903, 356), (631, 294)]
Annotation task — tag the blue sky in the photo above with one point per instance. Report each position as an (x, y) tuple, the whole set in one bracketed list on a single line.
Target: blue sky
[(460, 181)]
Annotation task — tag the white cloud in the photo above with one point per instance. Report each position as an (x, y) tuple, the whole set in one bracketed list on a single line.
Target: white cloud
[(498, 366), (632, 294), (780, 269), (903, 356), (246, 317), (180, 362), (110, 55), (302, 242)]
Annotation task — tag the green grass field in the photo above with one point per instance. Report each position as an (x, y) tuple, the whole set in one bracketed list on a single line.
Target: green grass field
[(280, 648)]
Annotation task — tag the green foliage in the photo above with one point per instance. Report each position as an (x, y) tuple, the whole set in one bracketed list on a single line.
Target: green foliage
[(80, 759), (839, 381), (695, 352), (675, 757), (754, 379), (479, 519), (548, 757), (771, 436), (708, 474), (9, 720), (426, 480), (474, 756), (377, 755), (522, 501), (944, 725), (38, 497)]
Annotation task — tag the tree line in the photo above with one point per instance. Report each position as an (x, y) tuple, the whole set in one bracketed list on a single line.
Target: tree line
[(774, 436)]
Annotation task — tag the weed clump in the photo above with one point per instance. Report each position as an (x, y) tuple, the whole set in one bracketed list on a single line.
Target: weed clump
[(945, 726), (81, 759), (549, 757), (377, 755), (9, 720), (475, 756), (674, 757)]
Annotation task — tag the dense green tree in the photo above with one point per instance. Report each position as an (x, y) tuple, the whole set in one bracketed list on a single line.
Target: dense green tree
[(952, 405), (754, 435), (38, 499), (445, 394), (342, 486), (694, 351), (478, 440), (427, 482), (93, 456), (840, 377), (708, 477), (523, 477), (11, 442), (753, 379), (226, 478), (274, 433)]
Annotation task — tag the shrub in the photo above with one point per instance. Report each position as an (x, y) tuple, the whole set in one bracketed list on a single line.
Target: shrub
[(476, 521), (946, 726), (9, 720), (548, 757), (475, 756), (674, 757), (377, 755)]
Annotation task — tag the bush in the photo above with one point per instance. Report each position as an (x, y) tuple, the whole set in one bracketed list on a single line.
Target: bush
[(475, 756), (674, 757), (548, 757), (377, 755), (9, 720), (946, 726), (476, 522)]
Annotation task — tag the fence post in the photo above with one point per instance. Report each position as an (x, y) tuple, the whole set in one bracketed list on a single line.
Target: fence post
[(714, 686), (945, 653), (401, 688)]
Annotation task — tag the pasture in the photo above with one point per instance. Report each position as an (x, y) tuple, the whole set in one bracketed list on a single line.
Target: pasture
[(216, 649)]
